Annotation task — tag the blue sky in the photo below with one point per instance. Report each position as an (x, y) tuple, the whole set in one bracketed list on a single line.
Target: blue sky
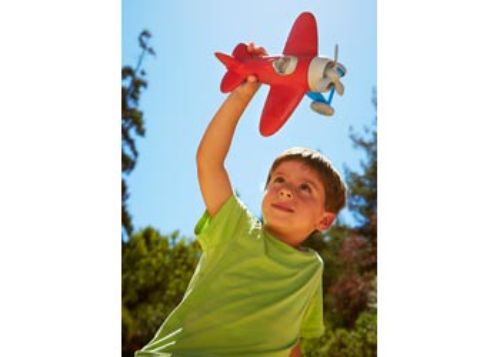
[(183, 94)]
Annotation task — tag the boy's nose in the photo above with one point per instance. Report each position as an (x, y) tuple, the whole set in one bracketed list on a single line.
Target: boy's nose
[(285, 193)]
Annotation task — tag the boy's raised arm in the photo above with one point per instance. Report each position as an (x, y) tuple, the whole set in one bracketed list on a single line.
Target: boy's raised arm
[(212, 176)]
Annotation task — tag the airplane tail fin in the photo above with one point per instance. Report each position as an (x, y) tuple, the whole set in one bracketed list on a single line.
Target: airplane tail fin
[(231, 79), (227, 60)]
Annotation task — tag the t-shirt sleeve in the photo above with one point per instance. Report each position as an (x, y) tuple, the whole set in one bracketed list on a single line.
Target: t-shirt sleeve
[(224, 226), (312, 324)]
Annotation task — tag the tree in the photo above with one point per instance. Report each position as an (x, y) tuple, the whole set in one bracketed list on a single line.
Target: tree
[(132, 122), (359, 341), (363, 186), (353, 290), (156, 270), (350, 264)]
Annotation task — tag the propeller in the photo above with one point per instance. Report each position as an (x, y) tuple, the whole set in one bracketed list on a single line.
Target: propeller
[(332, 74)]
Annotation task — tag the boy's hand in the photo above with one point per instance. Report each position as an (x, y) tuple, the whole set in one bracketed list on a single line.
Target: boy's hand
[(252, 84), (256, 50)]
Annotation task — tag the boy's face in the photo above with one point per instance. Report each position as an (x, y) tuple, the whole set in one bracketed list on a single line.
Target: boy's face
[(294, 203)]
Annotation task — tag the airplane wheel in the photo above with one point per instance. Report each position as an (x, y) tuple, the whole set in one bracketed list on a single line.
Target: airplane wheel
[(322, 108)]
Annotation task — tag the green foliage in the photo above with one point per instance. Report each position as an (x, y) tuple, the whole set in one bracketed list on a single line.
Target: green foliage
[(361, 341), (132, 122), (156, 270)]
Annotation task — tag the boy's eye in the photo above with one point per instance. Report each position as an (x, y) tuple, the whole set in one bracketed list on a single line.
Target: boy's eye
[(279, 179), (306, 188)]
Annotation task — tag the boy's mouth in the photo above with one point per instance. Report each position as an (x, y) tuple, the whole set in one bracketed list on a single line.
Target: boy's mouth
[(282, 207)]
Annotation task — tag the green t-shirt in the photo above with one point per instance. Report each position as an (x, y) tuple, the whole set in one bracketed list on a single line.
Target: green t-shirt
[(250, 295)]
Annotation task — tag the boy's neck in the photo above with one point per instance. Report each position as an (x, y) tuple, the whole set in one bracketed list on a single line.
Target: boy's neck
[(296, 244)]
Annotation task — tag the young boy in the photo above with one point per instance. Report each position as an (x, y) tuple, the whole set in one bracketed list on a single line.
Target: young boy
[(255, 292)]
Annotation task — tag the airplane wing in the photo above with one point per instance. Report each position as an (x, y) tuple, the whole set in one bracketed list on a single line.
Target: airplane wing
[(280, 104), (303, 37)]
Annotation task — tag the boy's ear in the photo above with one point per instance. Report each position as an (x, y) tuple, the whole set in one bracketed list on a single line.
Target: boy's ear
[(326, 221)]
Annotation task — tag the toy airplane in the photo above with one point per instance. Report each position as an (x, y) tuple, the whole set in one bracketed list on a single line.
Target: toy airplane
[(297, 72)]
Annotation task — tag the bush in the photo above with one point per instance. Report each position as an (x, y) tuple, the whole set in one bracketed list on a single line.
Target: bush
[(361, 341)]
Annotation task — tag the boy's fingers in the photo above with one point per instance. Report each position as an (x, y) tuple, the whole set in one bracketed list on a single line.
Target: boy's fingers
[(253, 49), (251, 78), (260, 51)]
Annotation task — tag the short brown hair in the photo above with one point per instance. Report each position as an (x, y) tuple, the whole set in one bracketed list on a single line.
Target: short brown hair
[(335, 188)]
